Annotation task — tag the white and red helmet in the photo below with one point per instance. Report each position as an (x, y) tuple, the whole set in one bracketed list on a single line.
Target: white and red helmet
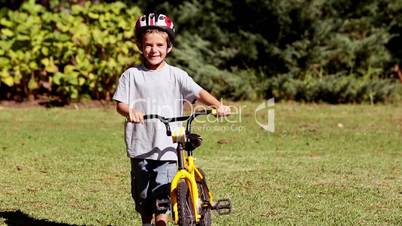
[(153, 20)]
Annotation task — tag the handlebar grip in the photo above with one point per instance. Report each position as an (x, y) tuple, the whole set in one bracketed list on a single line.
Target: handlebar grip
[(206, 112), (149, 117)]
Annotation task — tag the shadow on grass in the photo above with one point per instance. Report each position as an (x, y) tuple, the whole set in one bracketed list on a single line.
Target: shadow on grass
[(53, 103), (18, 218)]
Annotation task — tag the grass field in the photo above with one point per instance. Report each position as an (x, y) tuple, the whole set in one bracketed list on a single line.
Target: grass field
[(323, 165)]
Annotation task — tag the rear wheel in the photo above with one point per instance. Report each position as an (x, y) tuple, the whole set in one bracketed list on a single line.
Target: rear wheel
[(184, 205), (205, 209)]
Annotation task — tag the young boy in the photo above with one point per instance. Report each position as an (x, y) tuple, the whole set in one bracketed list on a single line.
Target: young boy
[(155, 87)]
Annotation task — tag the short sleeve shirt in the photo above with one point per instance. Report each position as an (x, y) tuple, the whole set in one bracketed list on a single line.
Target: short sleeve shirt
[(161, 92)]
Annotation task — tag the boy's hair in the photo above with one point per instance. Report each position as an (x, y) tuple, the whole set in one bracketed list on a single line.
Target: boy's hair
[(150, 31)]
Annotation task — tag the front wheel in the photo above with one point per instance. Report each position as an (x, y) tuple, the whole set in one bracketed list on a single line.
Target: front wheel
[(184, 205)]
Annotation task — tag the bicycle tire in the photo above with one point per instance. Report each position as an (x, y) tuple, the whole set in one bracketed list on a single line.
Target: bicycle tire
[(204, 196), (184, 205)]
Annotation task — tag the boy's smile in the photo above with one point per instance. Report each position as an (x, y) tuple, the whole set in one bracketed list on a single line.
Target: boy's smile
[(155, 49)]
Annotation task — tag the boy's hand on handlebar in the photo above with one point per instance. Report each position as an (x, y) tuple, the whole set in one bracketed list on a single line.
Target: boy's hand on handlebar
[(222, 110), (136, 116)]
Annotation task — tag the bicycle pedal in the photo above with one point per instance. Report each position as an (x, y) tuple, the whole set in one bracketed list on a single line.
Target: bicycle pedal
[(223, 206), (162, 204)]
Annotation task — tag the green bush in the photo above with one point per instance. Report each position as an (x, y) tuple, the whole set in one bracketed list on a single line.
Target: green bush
[(235, 85), (248, 48), (77, 52), (234, 49), (333, 89)]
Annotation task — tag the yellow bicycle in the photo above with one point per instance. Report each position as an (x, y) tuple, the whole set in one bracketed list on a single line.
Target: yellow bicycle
[(191, 200)]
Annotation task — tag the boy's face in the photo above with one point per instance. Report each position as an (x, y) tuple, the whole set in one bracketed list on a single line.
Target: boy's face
[(154, 50)]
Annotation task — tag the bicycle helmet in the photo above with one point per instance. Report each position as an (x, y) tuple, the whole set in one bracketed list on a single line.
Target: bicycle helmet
[(153, 20)]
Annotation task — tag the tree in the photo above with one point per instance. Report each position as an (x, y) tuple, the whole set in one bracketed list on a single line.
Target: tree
[(266, 39)]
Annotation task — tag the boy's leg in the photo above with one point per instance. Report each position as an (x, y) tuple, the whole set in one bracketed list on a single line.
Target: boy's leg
[(140, 191), (164, 173), (161, 220), (146, 220)]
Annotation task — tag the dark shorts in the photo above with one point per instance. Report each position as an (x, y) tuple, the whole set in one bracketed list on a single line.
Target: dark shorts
[(150, 181)]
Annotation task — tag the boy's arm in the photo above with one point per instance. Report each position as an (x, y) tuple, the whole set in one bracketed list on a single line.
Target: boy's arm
[(207, 99), (130, 114)]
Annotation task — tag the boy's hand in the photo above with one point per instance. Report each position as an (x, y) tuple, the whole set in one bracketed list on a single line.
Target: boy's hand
[(222, 110), (135, 116)]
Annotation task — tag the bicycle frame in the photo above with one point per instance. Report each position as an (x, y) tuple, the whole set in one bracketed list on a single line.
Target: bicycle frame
[(187, 170)]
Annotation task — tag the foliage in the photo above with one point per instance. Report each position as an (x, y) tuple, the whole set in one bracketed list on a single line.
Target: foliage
[(284, 39), (75, 52), (236, 49), (333, 89), (220, 82)]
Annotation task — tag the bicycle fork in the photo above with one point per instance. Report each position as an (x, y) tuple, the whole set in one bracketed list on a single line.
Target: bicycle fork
[(193, 191), (189, 178)]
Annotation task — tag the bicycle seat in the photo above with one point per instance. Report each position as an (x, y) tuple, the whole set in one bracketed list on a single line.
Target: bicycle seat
[(193, 141)]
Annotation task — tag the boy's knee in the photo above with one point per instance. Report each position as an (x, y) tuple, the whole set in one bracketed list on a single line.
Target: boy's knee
[(161, 220)]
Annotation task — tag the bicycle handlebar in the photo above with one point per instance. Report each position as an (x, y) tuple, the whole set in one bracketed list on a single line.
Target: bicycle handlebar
[(164, 119), (188, 118)]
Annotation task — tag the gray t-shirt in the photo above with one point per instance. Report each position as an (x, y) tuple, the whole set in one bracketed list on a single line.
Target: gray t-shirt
[(161, 92)]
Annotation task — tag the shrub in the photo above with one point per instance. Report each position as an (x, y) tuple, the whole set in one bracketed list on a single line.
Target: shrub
[(77, 52), (333, 89)]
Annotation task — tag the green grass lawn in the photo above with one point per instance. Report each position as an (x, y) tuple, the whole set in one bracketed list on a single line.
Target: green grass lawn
[(323, 165)]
